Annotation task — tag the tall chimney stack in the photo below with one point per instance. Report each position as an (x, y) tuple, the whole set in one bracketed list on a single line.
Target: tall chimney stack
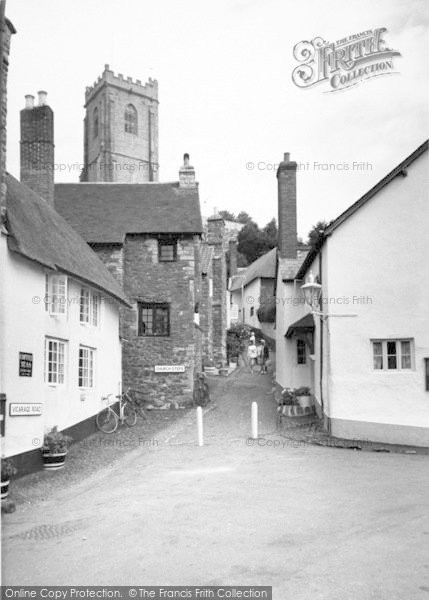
[(286, 176), (232, 258), (6, 31), (37, 147), (186, 174)]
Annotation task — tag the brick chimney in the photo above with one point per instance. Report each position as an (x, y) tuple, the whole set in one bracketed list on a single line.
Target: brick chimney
[(286, 176), (186, 174), (37, 147), (232, 258), (6, 31)]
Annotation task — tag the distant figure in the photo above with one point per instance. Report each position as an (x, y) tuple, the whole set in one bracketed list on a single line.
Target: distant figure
[(252, 355), (265, 356)]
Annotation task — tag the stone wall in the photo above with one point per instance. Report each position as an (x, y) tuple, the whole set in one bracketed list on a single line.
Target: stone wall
[(7, 30)]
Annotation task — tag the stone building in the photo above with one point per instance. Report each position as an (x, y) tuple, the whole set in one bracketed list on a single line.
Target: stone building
[(149, 237), (121, 130)]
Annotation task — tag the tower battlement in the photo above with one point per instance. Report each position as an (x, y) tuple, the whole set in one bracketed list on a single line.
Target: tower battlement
[(148, 89)]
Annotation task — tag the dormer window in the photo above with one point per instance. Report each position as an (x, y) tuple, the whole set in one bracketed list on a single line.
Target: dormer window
[(131, 120), (95, 122)]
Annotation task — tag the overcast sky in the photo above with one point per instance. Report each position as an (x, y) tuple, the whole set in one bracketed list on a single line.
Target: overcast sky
[(225, 89)]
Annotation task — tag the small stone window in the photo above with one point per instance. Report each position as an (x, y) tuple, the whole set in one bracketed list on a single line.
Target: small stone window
[(131, 125), (154, 319), (167, 250)]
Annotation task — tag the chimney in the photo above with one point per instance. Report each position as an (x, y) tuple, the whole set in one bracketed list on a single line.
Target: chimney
[(232, 258), (37, 146), (6, 31), (186, 174), (286, 176)]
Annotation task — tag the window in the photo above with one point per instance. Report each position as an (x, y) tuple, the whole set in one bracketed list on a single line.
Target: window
[(54, 361), (88, 307), (86, 367), (56, 294), (427, 373), (154, 319), (392, 355), (95, 122), (167, 250), (301, 353), (252, 311), (131, 119)]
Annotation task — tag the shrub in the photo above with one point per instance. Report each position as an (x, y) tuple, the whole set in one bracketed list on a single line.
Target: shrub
[(8, 469), (56, 442)]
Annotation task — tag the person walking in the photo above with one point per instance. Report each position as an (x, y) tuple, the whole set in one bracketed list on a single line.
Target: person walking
[(265, 356), (252, 355)]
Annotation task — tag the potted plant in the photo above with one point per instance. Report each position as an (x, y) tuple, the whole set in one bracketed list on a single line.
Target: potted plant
[(303, 396), (54, 449), (288, 397), (8, 470)]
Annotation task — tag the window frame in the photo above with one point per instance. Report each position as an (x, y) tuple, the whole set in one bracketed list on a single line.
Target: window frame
[(301, 351), (59, 308), (93, 304), (61, 344), (387, 354), (86, 381), (154, 306), (131, 120), (162, 243)]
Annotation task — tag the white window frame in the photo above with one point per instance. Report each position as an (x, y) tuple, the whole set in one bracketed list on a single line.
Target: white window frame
[(86, 379), (399, 355), (56, 295), (89, 311), (57, 376)]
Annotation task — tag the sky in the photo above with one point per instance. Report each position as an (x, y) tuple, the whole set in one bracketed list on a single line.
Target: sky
[(226, 93)]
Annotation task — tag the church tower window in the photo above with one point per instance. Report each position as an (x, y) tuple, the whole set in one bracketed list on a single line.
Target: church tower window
[(131, 119)]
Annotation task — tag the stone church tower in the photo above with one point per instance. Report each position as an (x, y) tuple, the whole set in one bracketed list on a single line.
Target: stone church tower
[(121, 130)]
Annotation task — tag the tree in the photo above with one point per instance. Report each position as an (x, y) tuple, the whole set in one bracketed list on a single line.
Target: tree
[(226, 214), (244, 217), (251, 242), (316, 234)]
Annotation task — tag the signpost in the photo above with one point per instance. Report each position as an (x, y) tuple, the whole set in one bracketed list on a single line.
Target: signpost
[(169, 368), (25, 409)]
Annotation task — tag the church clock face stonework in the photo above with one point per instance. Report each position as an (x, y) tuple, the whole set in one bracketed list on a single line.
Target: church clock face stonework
[(121, 130)]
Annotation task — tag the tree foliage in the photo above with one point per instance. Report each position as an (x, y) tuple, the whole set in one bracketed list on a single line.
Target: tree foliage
[(316, 234)]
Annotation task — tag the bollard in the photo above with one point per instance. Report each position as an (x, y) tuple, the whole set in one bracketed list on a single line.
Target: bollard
[(200, 426), (254, 421)]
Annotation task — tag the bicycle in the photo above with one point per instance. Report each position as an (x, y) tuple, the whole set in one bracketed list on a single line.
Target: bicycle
[(108, 419), (139, 400), (201, 392)]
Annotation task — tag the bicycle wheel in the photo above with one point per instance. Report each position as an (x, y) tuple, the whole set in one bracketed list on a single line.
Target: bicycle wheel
[(107, 420), (139, 409), (130, 416)]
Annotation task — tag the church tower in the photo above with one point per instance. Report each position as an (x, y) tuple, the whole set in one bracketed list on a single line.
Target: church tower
[(121, 130)]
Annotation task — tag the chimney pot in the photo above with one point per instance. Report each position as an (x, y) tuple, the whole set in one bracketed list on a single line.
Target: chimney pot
[(286, 157), (42, 97), (106, 67), (29, 101)]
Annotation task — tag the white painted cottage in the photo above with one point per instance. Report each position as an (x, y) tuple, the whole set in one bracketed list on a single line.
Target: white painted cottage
[(364, 349)]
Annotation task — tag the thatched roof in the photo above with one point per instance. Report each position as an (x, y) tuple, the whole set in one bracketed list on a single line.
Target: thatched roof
[(39, 233), (105, 213)]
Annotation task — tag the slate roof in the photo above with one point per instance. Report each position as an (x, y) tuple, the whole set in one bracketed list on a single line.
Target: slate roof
[(264, 266), (39, 233), (106, 212)]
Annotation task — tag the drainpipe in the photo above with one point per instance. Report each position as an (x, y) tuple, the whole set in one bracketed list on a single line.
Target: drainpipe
[(321, 344)]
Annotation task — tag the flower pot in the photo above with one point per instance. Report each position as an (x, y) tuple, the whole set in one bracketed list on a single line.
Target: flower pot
[(304, 401), (53, 461), (5, 488)]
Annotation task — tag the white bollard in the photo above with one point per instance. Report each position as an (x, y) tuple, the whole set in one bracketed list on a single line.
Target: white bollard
[(254, 421), (200, 426)]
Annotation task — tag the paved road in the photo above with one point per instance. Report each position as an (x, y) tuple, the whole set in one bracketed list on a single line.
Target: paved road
[(313, 522)]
